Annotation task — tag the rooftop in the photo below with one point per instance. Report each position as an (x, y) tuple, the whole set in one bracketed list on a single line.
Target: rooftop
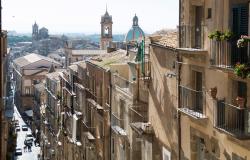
[(54, 75), (32, 58), (167, 39), (106, 60), (73, 67), (81, 64), (88, 52)]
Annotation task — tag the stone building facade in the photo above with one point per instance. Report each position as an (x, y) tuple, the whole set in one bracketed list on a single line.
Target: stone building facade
[(216, 124), (4, 124), (28, 71)]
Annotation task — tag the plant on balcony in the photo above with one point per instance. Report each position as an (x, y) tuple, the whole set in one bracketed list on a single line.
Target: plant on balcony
[(240, 101), (243, 41), (213, 92), (242, 70), (221, 36), (227, 35), (215, 35)]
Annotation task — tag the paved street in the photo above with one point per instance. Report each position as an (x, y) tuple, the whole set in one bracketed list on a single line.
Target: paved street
[(21, 137), (20, 140)]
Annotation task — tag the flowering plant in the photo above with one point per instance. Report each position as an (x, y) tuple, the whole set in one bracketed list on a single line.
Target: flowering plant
[(242, 70), (242, 42)]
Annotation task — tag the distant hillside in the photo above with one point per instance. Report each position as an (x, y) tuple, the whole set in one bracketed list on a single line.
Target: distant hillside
[(96, 37), (15, 39), (93, 38)]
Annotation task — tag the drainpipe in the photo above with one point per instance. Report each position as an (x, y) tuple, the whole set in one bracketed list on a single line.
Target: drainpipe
[(110, 114), (178, 91)]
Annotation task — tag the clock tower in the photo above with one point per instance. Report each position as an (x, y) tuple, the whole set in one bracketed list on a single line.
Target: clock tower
[(106, 30)]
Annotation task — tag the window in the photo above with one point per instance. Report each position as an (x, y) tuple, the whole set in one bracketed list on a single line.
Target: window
[(239, 90), (166, 155), (113, 145), (27, 90), (209, 13)]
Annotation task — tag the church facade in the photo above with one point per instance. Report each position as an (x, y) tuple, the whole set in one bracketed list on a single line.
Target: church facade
[(38, 34)]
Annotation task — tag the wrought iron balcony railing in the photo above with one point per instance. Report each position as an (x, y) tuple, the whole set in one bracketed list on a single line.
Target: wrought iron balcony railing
[(192, 36), (232, 119), (192, 102), (124, 84), (225, 54)]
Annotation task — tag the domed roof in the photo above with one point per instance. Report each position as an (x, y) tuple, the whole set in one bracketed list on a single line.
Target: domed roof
[(135, 33)]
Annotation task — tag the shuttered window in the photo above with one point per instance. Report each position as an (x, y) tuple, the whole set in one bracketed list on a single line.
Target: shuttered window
[(239, 27)]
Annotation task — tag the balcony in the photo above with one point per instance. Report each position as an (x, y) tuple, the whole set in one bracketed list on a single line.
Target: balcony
[(139, 112), (88, 131), (117, 125), (192, 102), (232, 120), (225, 54), (123, 84), (192, 37)]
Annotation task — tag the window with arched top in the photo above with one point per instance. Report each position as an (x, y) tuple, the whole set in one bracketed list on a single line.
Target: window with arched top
[(106, 30)]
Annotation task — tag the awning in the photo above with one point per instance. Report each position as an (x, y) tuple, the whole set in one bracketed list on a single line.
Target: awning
[(29, 113)]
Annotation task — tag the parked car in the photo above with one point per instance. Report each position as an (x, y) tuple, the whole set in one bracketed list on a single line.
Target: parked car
[(29, 136), (25, 127), (18, 152), (28, 142), (17, 128)]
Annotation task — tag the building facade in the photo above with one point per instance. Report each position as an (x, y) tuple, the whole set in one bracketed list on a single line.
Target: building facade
[(213, 99), (29, 71), (4, 124)]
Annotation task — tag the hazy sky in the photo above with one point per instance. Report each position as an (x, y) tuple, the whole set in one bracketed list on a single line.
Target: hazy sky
[(61, 16)]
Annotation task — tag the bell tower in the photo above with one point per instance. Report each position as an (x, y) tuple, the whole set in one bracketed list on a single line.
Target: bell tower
[(106, 30), (35, 32)]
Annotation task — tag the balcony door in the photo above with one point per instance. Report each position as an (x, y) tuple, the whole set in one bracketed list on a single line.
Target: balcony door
[(198, 27), (239, 27), (198, 91)]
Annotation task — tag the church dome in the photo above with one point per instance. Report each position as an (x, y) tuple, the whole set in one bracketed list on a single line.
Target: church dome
[(135, 33)]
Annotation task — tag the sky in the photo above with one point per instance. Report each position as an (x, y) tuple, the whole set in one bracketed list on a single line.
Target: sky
[(83, 16)]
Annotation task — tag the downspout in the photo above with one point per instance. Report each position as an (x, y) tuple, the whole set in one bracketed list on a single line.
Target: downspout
[(110, 114), (178, 91)]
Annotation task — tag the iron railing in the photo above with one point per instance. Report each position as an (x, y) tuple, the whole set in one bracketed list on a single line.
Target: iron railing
[(226, 54), (124, 84), (192, 36), (232, 119), (192, 102), (138, 113)]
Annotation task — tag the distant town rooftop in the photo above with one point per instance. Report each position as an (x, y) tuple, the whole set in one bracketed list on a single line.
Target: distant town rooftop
[(32, 58), (168, 39), (105, 60), (88, 52)]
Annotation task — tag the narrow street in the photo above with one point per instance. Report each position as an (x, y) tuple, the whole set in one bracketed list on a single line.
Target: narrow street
[(21, 135)]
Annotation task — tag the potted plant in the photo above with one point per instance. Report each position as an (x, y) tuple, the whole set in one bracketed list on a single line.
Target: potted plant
[(213, 92), (243, 41), (227, 35), (240, 101), (215, 35), (242, 70)]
